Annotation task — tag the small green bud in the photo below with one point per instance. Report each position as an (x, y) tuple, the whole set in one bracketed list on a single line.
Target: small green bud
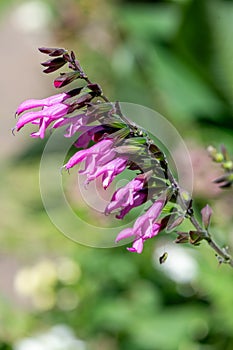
[(228, 165), (218, 157), (185, 195)]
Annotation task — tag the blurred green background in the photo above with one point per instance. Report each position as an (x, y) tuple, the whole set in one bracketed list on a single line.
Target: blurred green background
[(176, 58)]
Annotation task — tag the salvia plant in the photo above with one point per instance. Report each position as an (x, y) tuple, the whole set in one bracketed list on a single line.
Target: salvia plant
[(108, 144)]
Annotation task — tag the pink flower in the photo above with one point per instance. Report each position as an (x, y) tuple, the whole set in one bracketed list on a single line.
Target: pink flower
[(53, 108), (76, 123), (34, 103), (108, 171), (145, 227), (99, 160), (93, 133), (94, 156), (51, 113), (139, 198), (127, 197)]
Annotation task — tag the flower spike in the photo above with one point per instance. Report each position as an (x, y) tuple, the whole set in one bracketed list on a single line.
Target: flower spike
[(108, 144)]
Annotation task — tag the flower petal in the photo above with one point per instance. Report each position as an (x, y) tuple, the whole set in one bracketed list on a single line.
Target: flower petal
[(126, 233), (34, 103), (137, 246)]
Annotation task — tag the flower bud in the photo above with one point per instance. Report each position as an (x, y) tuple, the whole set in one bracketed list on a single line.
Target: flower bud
[(206, 213), (225, 180), (195, 237), (174, 222), (65, 79), (216, 156), (53, 65), (228, 165), (52, 52)]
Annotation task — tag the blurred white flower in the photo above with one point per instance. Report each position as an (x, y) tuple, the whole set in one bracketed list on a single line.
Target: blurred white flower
[(39, 282), (59, 337), (30, 280), (68, 271), (32, 16)]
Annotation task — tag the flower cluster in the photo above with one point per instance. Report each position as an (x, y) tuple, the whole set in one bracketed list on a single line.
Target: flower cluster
[(107, 144)]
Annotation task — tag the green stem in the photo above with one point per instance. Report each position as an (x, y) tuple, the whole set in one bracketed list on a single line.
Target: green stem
[(221, 252)]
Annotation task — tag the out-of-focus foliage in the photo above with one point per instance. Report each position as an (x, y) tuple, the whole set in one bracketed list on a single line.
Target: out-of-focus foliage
[(175, 57)]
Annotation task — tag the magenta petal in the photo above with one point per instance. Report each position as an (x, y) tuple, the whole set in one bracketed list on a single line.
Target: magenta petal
[(127, 197), (77, 158), (107, 157), (52, 112), (137, 246), (114, 205), (28, 104), (90, 165), (56, 111), (84, 139), (126, 233), (132, 250), (140, 221), (152, 231), (44, 123), (34, 103), (102, 146), (66, 120), (118, 165), (155, 210), (108, 170), (138, 200), (28, 118), (98, 149), (77, 126)]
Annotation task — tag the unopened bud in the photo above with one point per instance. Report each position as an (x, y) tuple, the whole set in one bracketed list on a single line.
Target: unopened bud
[(52, 51), (53, 65), (206, 213), (217, 157), (65, 79), (195, 237), (228, 165)]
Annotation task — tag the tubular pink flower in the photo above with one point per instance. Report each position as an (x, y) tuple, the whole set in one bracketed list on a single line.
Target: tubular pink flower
[(99, 160), (43, 123), (137, 246), (51, 113), (95, 161), (91, 133), (125, 196), (145, 227), (109, 171), (76, 123), (92, 155), (34, 103), (139, 199)]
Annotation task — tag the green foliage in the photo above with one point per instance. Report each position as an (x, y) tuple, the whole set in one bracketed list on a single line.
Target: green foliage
[(176, 58)]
